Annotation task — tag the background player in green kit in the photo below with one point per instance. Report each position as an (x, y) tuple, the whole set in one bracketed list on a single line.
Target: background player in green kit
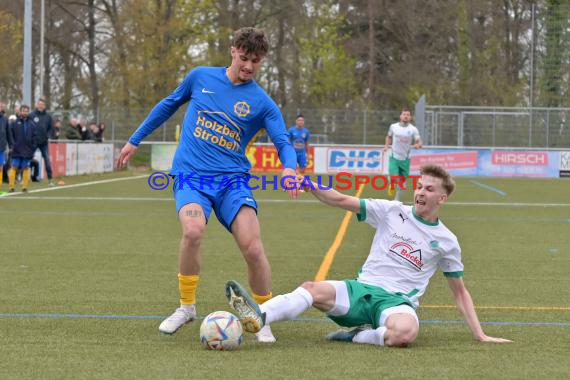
[(402, 136), (410, 244)]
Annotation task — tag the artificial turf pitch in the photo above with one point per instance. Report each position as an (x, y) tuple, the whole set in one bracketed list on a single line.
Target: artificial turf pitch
[(87, 273)]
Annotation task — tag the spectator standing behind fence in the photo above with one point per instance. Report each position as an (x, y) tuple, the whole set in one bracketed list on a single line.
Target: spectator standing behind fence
[(84, 131), (402, 136), (56, 131), (5, 141), (43, 125), (25, 144), (73, 130), (102, 127), (93, 132)]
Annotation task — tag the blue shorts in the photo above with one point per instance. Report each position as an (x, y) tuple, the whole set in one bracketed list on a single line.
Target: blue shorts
[(301, 158), (225, 194), (21, 163), (2, 158)]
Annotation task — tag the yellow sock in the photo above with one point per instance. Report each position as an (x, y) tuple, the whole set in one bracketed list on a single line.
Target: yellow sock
[(1, 175), (12, 178), (25, 178), (187, 286), (261, 299)]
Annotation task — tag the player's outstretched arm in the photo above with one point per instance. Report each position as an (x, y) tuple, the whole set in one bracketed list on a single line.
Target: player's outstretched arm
[(333, 198), (126, 153), (465, 305), (291, 183)]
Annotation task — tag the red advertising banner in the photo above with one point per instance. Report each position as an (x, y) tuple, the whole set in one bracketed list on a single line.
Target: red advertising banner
[(266, 159), (447, 160), (57, 154)]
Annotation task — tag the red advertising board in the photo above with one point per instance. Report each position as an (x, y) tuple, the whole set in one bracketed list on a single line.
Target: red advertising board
[(447, 160), (57, 154), (266, 159)]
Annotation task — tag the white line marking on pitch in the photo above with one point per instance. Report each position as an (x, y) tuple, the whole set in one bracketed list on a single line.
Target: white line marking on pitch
[(284, 201), (73, 186)]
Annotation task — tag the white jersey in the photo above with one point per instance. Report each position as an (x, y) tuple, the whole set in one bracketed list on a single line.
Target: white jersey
[(406, 250), (403, 137)]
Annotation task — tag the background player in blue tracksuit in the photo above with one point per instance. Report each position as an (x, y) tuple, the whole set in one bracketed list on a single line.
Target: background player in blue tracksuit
[(299, 137), (226, 110)]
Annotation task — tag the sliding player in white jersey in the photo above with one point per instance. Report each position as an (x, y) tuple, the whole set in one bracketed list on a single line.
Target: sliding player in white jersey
[(402, 136), (410, 244)]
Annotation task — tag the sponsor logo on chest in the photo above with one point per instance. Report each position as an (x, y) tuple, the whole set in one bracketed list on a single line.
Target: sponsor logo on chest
[(406, 251)]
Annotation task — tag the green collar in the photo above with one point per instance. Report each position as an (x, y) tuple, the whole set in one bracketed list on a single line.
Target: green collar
[(422, 220)]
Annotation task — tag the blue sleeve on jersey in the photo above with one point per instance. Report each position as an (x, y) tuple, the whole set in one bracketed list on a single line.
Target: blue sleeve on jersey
[(164, 109), (275, 126), (290, 135), (308, 137)]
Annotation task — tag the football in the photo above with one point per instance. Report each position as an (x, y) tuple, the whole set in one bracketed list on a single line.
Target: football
[(221, 330)]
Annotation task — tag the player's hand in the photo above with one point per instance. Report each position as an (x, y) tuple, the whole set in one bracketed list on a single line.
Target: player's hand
[(417, 146), (126, 153), (490, 339), (385, 149), (291, 186), (300, 179)]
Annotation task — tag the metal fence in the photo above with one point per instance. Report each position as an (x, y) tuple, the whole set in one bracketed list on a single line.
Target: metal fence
[(326, 126), (444, 125), (497, 127)]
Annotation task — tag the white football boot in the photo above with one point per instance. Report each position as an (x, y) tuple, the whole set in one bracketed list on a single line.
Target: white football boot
[(182, 315), (265, 335)]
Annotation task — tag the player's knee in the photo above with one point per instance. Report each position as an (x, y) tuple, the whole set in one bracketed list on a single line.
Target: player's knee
[(253, 251), (407, 337), (402, 336), (308, 285), (312, 288), (192, 233), (321, 293)]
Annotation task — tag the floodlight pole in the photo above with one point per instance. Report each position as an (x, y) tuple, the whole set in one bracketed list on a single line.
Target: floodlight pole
[(27, 80), (43, 18), (531, 89)]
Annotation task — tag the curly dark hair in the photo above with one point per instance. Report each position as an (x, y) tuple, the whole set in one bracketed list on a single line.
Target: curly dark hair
[(251, 40)]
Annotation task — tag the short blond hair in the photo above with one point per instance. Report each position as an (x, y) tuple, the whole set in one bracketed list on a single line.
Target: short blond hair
[(438, 172)]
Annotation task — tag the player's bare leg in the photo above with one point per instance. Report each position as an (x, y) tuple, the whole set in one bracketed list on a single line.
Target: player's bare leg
[(401, 330), (247, 235), (193, 226), (399, 192)]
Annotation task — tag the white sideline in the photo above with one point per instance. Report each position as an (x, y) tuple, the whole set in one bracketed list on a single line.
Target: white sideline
[(285, 201), (26, 196), (74, 185)]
